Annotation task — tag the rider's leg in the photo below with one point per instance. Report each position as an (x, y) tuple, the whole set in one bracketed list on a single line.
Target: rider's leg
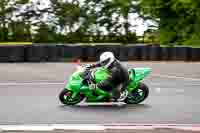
[(116, 91), (85, 80), (105, 85), (102, 87)]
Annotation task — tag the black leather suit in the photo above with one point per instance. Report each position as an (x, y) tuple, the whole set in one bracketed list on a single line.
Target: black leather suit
[(118, 74)]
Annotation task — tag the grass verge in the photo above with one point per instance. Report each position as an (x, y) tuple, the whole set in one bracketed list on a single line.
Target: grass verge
[(15, 43)]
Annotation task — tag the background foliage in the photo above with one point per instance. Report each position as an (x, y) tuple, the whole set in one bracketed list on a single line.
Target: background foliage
[(71, 21)]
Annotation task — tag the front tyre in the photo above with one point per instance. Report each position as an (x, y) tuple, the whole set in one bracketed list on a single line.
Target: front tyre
[(138, 95), (65, 97)]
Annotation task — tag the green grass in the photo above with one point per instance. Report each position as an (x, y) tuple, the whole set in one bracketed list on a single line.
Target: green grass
[(190, 46), (16, 43)]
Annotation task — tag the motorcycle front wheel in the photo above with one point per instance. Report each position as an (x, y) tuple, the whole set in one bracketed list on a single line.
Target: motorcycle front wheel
[(65, 97)]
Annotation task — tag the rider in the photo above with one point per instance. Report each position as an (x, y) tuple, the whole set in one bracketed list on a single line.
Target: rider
[(118, 74)]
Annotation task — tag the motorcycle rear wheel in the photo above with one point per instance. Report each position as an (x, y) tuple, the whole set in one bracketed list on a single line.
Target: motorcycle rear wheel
[(138, 95), (65, 97)]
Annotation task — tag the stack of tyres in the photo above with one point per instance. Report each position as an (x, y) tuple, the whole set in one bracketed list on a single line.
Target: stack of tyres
[(134, 53), (123, 54), (180, 53), (195, 54), (155, 53), (36, 53), (53, 53), (171, 53), (145, 53), (12, 53), (72, 52), (176, 53), (88, 53), (165, 53)]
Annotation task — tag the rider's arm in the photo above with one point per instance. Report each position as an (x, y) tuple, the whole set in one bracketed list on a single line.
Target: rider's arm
[(86, 71), (94, 65), (88, 67)]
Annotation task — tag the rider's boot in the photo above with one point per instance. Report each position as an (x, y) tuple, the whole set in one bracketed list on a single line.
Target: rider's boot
[(114, 96), (123, 96)]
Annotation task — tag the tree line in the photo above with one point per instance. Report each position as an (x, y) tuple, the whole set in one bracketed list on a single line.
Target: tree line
[(71, 21)]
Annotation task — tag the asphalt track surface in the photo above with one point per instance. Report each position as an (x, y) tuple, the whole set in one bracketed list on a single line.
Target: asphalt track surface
[(29, 95)]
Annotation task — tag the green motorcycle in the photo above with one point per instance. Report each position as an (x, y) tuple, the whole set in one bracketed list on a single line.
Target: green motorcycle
[(132, 92)]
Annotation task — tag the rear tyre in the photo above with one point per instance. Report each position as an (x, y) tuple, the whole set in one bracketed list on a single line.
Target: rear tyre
[(65, 97), (138, 95)]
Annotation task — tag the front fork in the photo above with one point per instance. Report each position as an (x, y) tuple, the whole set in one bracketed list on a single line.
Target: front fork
[(75, 92)]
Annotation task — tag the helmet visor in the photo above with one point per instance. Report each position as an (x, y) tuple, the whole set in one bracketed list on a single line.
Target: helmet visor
[(105, 62)]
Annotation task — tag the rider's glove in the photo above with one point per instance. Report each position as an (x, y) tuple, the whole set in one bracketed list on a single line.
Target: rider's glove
[(85, 71), (88, 66)]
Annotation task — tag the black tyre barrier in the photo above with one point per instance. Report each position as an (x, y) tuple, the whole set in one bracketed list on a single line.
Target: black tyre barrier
[(84, 55), (123, 54), (53, 53), (145, 53), (44, 53), (12, 54), (89, 53), (189, 54), (134, 52), (61, 53), (195, 54), (165, 53), (171, 54), (155, 53), (36, 53), (72, 52), (180, 53)]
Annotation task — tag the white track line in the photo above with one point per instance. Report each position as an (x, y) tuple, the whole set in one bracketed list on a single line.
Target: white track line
[(50, 127), (94, 127), (26, 128), (78, 127), (176, 77)]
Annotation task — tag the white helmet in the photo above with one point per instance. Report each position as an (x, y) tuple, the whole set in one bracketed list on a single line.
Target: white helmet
[(106, 59)]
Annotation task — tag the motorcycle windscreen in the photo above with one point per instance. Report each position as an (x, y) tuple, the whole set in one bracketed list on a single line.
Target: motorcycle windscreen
[(141, 73)]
